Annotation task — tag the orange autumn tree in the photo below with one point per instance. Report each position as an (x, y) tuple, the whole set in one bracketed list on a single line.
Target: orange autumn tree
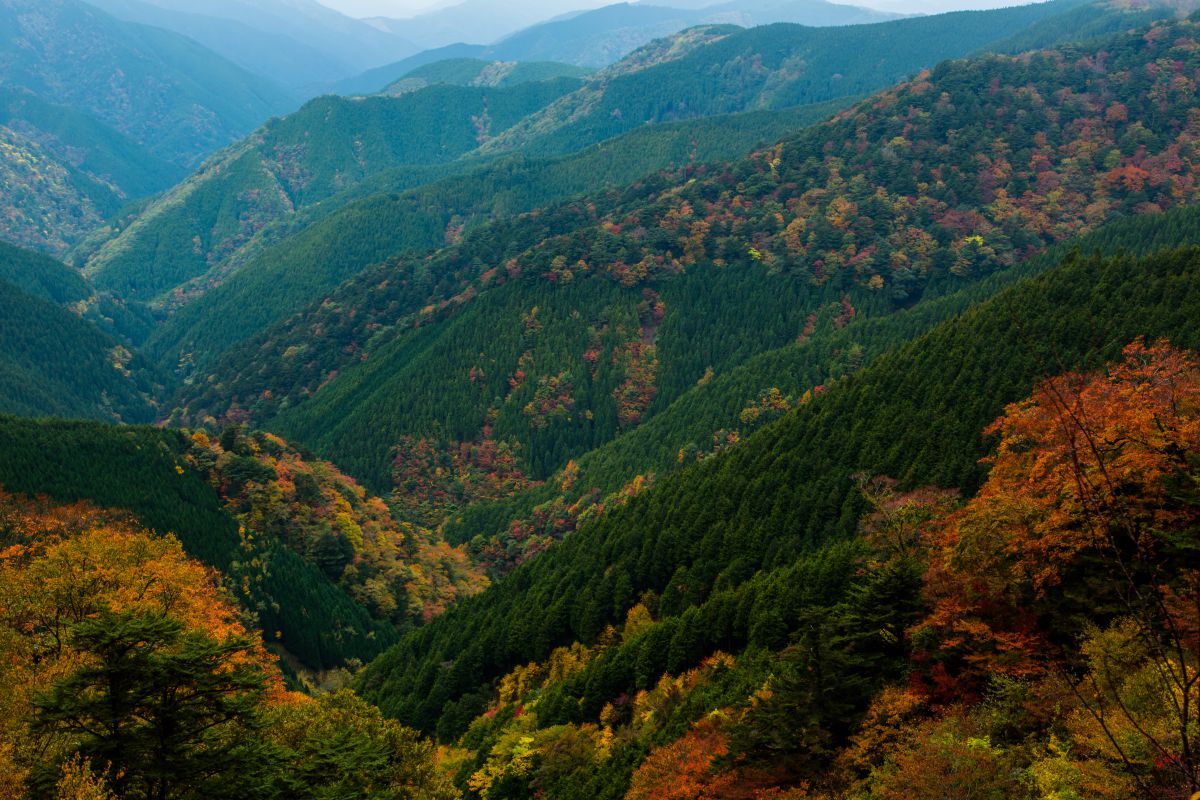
[(65, 566), (1091, 510), (686, 768)]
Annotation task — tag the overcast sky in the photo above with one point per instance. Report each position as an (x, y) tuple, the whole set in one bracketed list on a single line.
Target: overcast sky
[(407, 8)]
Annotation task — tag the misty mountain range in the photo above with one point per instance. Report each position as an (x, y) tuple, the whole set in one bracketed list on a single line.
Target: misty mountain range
[(310, 49)]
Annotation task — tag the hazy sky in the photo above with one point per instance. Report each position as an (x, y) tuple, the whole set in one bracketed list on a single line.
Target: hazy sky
[(406, 8)]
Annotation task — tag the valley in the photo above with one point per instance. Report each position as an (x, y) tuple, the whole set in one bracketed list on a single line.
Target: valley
[(647, 402)]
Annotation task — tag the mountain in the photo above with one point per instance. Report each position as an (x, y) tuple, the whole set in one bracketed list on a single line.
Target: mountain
[(473, 21), (572, 439), (371, 230), (374, 80), (65, 172), (559, 330), (772, 66), (714, 415), (594, 38), (599, 38), (477, 72), (269, 54), (296, 260), (183, 242), (177, 99), (300, 45), (54, 359)]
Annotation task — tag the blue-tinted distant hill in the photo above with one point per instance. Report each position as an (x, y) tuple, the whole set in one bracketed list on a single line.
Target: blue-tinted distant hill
[(477, 72), (299, 44), (603, 36), (64, 171), (176, 98), (598, 38), (375, 80)]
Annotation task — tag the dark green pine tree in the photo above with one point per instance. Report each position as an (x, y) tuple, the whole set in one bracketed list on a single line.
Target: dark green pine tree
[(169, 714)]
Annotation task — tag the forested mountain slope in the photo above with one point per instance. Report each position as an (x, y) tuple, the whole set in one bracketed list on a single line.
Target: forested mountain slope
[(140, 677), (164, 91), (191, 238), (558, 330), (480, 72), (235, 243), (316, 260), (320, 564), (740, 550), (55, 359), (728, 407), (771, 66), (65, 171)]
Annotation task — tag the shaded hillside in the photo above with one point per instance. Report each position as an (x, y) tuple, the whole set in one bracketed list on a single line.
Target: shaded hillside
[(184, 242), (64, 172), (55, 359), (145, 471)]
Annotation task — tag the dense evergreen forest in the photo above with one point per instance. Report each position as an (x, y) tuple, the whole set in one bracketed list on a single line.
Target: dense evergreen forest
[(778, 413)]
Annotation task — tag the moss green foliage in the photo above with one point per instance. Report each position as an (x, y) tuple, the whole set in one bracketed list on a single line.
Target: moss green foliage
[(185, 240), (66, 351), (143, 470)]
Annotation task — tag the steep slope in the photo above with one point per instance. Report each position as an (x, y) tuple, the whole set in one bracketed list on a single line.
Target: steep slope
[(560, 329), (190, 238), (54, 361), (728, 407), (64, 172), (651, 67), (699, 539), (164, 91), (773, 66), (304, 267), (146, 471), (478, 72), (88, 145)]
